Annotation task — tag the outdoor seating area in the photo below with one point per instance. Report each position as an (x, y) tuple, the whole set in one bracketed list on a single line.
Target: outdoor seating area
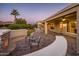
[(5, 41), (35, 42), (8, 39), (30, 45)]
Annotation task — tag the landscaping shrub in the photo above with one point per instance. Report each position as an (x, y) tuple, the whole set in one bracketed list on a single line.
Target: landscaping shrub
[(20, 26), (14, 26), (29, 26)]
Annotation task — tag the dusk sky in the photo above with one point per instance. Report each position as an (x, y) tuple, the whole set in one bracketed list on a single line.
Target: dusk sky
[(31, 12)]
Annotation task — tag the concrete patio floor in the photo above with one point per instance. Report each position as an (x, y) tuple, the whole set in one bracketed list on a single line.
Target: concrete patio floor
[(71, 48)]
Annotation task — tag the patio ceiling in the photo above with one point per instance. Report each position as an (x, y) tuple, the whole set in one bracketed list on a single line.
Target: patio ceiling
[(65, 13), (68, 17)]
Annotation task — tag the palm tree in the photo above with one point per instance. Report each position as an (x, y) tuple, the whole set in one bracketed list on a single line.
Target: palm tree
[(15, 13)]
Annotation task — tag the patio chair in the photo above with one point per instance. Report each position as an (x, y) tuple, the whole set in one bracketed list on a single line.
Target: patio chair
[(34, 41)]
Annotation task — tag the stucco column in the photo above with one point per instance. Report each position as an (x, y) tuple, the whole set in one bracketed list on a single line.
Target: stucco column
[(77, 31), (69, 27), (45, 27), (38, 25)]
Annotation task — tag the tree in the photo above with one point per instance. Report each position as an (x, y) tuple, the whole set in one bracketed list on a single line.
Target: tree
[(15, 13), (21, 21)]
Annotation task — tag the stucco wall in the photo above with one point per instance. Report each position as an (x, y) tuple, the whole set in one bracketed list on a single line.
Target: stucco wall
[(18, 34)]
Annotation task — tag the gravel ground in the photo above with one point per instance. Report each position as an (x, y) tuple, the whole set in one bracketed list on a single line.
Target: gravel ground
[(71, 51)]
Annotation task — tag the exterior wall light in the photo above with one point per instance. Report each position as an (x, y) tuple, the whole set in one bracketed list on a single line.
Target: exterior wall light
[(63, 19), (75, 22)]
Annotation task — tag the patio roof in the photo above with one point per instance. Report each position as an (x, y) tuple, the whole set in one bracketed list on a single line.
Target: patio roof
[(69, 9)]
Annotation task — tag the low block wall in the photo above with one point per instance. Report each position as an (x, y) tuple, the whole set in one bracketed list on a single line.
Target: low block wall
[(18, 34), (70, 34), (65, 33)]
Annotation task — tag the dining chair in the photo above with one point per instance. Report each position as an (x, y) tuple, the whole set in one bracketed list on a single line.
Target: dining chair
[(34, 41)]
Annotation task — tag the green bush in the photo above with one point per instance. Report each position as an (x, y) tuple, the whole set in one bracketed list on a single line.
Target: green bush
[(20, 26), (14, 26), (29, 26)]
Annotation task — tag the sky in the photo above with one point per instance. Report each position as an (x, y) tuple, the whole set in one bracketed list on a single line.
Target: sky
[(32, 12)]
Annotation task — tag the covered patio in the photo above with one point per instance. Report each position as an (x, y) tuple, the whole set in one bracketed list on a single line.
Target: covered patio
[(23, 46), (65, 22)]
